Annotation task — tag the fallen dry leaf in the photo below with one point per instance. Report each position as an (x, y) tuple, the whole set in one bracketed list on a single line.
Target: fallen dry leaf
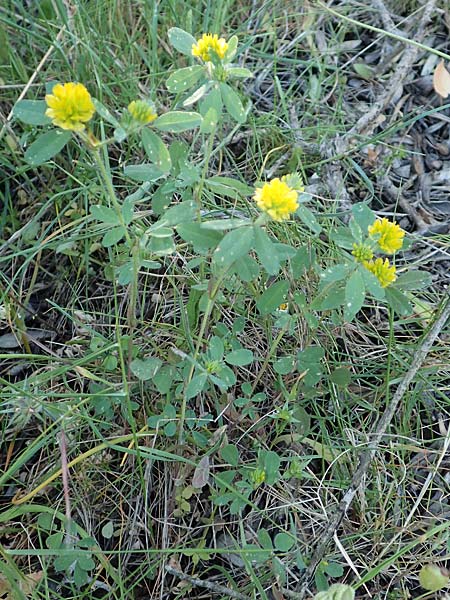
[(201, 474), (441, 80)]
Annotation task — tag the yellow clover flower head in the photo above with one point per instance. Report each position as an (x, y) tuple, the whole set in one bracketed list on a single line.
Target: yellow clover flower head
[(362, 252), (383, 271), (70, 106), (389, 236), (142, 112), (209, 44), (277, 199)]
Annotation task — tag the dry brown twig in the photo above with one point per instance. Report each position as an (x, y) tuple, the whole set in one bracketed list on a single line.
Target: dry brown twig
[(376, 437), (385, 16), (341, 145), (396, 195), (208, 585), (403, 69)]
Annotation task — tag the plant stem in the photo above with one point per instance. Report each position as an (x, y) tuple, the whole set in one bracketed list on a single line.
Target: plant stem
[(208, 310), (106, 178), (269, 355)]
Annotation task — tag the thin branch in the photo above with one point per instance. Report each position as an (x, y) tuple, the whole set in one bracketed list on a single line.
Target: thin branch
[(400, 73), (376, 437), (208, 585), (386, 18), (340, 145)]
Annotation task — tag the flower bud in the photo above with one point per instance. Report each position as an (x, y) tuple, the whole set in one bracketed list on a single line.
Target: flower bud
[(433, 578)]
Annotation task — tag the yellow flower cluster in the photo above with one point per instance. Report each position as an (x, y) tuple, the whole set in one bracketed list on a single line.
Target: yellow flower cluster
[(276, 199), (389, 236), (382, 269), (208, 45), (142, 111), (70, 106)]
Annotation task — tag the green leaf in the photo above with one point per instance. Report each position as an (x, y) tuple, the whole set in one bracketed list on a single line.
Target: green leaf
[(334, 569), (196, 96), (231, 50), (363, 215), (264, 539), (179, 152), (271, 465), (161, 246), (180, 213), (181, 40), (235, 244), (125, 273), (177, 121), (196, 385), (364, 70), (46, 146), (332, 296), (55, 540), (322, 584), (413, 280), (216, 348), (341, 377), (311, 355), (302, 261), (284, 365), (285, 251), (239, 358), (127, 210), (355, 293), (201, 239), (227, 377), (230, 454), (233, 103), (183, 79), (145, 369), (227, 186), (307, 217), (266, 251), (113, 236), (222, 224), (309, 360), (283, 542), (342, 237), (119, 134), (158, 230), (272, 298), (372, 284), (108, 530), (45, 521), (31, 112), (240, 72), (105, 214), (246, 268), (356, 230), (156, 150), (212, 101), (85, 562), (398, 301), (209, 122), (144, 172), (61, 563), (335, 273)]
